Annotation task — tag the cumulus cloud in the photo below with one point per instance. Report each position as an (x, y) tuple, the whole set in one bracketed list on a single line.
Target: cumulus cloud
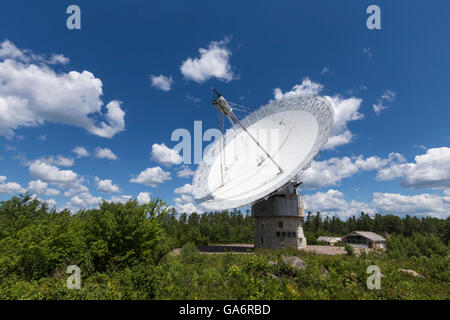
[(306, 87), (59, 160), (214, 62), (185, 203), (143, 198), (53, 175), (8, 50), (332, 202), (120, 199), (422, 204), (105, 153), (186, 189), (187, 208), (41, 188), (185, 172), (80, 152), (9, 187), (430, 170), (161, 82), (32, 93), (332, 171), (345, 110), (82, 201), (152, 177), (106, 186), (388, 96), (164, 155), (77, 189)]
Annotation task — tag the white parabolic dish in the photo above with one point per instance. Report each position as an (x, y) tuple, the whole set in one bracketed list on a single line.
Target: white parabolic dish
[(234, 172)]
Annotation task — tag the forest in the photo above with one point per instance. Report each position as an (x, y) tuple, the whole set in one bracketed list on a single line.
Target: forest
[(125, 251)]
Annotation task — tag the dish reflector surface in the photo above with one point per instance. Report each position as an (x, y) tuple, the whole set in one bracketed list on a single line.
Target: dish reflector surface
[(235, 172)]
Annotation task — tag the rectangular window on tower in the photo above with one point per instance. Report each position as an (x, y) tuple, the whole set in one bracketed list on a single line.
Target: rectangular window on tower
[(280, 224), (262, 240), (262, 225)]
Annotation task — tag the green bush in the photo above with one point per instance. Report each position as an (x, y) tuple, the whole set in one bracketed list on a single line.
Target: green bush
[(349, 249)]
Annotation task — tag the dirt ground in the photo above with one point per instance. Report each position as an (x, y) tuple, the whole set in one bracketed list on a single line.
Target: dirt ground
[(248, 248)]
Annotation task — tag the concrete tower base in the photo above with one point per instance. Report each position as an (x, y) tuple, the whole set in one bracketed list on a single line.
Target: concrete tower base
[(278, 220)]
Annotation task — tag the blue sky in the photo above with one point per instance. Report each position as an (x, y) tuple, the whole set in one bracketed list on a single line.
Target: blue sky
[(395, 160)]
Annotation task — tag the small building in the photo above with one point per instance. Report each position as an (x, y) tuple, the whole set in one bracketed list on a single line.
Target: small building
[(330, 240), (364, 239)]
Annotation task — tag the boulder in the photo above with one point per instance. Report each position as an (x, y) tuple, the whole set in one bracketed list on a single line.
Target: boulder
[(412, 272), (295, 263)]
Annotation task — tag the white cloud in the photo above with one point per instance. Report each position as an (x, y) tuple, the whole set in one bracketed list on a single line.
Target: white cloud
[(324, 70), (50, 202), (120, 199), (213, 63), (430, 170), (306, 87), (185, 203), (74, 190), (164, 155), (187, 208), (345, 110), (42, 137), (41, 188), (185, 172), (105, 153), (152, 177), (9, 51), (193, 99), (422, 204), (331, 172), (388, 96), (368, 52), (32, 93), (186, 189), (143, 198), (184, 198), (332, 202), (83, 200), (161, 82), (53, 175), (80, 152), (106, 186), (61, 161), (10, 187)]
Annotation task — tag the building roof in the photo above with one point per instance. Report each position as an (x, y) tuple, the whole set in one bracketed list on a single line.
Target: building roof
[(369, 235)]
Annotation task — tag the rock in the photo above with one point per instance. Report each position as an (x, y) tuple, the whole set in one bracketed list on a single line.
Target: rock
[(324, 272), (272, 263), (295, 263), (412, 272)]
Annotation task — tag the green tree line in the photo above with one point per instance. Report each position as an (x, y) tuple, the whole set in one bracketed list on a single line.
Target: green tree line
[(385, 225), (125, 251)]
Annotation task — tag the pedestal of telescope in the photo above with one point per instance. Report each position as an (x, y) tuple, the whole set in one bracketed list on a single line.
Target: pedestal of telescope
[(278, 220)]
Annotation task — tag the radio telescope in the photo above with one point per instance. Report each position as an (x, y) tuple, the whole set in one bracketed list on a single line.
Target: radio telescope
[(259, 161)]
